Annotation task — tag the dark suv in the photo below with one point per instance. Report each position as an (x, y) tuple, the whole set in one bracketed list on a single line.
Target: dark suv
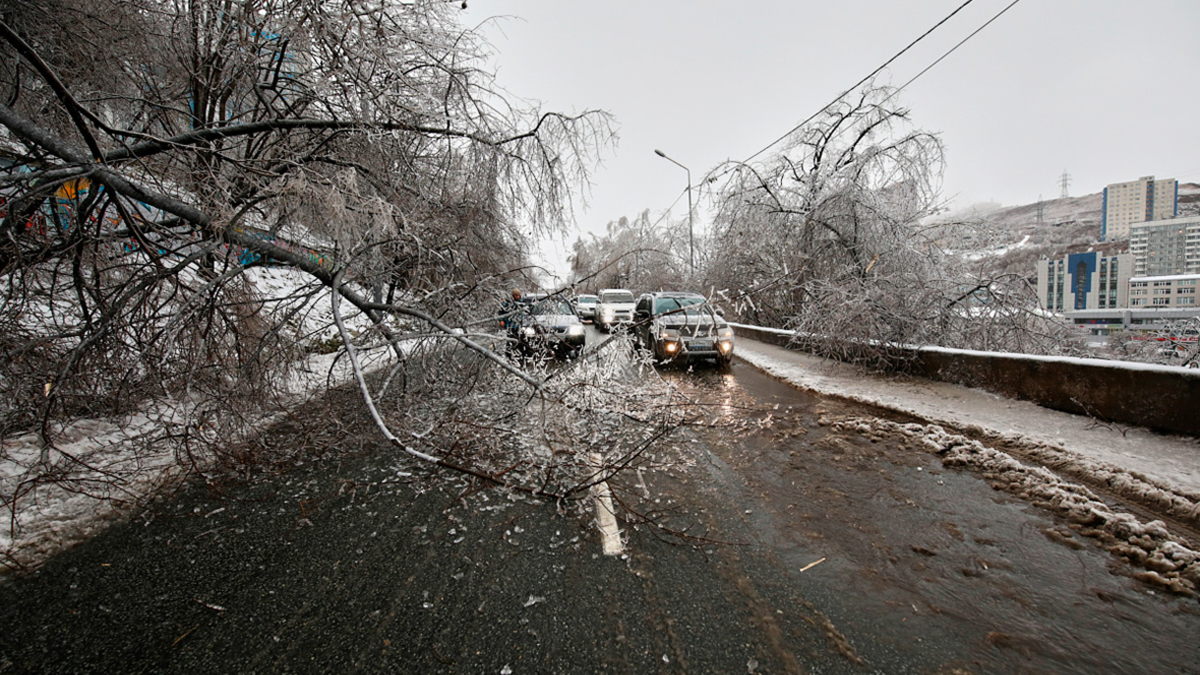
[(682, 325)]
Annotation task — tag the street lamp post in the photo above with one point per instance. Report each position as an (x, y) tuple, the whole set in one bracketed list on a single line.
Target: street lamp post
[(691, 236)]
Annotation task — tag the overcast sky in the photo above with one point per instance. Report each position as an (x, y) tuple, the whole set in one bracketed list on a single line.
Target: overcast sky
[(1103, 89)]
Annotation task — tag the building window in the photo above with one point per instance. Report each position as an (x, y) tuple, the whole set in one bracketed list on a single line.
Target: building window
[(1185, 301), (1162, 301)]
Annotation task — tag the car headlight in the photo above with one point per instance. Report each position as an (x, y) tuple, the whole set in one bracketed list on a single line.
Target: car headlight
[(725, 332), (670, 332), (608, 312), (575, 329), (528, 331)]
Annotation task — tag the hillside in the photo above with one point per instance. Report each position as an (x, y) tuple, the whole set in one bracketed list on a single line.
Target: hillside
[(1013, 238), (1189, 199)]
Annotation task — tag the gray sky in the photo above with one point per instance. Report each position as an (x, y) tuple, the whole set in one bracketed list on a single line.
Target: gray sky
[(1104, 89)]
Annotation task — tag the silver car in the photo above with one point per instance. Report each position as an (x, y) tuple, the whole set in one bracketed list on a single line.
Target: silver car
[(682, 326), (585, 307)]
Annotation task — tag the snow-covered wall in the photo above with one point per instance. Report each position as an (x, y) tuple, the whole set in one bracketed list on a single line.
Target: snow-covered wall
[(1166, 398)]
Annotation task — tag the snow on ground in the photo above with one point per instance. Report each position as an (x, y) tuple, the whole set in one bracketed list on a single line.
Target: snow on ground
[(1161, 472), (121, 462), (1172, 461), (1167, 562), (997, 252)]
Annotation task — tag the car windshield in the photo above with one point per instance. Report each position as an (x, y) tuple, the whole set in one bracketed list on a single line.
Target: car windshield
[(551, 306), (684, 305), (616, 296), (586, 299)]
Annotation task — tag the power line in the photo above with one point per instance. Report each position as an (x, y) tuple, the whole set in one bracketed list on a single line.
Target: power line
[(873, 73), (894, 92), (955, 47)]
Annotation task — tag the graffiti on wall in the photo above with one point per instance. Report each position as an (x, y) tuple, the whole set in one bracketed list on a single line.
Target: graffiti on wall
[(57, 215)]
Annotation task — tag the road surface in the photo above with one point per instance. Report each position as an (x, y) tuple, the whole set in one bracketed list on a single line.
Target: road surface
[(783, 545)]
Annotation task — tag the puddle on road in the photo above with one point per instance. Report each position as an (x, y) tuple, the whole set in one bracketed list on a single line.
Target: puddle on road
[(920, 564)]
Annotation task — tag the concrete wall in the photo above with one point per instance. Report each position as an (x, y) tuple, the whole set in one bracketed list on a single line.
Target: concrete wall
[(1165, 398)]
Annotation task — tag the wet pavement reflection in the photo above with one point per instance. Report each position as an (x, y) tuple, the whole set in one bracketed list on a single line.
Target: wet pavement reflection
[(906, 564)]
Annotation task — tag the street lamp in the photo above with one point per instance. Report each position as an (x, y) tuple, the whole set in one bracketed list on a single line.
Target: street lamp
[(691, 237)]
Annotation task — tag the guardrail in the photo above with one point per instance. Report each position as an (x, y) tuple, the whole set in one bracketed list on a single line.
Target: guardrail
[(1164, 398)]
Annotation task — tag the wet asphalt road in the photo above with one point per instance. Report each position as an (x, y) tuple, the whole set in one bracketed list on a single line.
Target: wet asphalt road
[(371, 564)]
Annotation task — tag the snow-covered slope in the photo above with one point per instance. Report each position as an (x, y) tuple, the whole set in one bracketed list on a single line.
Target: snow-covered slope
[(1051, 228)]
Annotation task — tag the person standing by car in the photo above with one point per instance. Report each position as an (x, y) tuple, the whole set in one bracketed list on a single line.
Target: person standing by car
[(509, 308)]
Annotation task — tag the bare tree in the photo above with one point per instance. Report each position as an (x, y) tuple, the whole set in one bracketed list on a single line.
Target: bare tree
[(830, 237), (641, 254), (156, 152), (1173, 343)]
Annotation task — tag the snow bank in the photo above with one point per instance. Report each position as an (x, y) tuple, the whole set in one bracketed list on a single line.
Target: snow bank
[(113, 465), (1165, 561), (1039, 358), (1104, 390), (97, 470), (1159, 472)]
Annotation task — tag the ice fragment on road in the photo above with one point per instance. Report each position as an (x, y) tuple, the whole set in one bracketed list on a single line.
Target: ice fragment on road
[(812, 564), (533, 600)]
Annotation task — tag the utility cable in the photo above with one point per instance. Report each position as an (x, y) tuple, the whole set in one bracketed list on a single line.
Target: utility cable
[(890, 96), (873, 73), (955, 47)]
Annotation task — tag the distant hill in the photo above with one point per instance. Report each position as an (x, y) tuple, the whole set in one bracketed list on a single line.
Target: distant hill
[(1189, 199), (1016, 237)]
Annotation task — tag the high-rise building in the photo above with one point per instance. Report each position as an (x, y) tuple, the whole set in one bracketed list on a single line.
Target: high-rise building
[(1137, 201), (1082, 281), (1165, 247)]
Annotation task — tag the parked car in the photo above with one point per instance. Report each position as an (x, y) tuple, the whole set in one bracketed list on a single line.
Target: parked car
[(548, 326), (614, 306), (585, 307), (682, 326)]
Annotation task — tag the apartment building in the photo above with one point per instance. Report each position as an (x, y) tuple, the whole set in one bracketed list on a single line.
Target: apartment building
[(1165, 247), (1081, 281), (1138, 201), (1163, 292)]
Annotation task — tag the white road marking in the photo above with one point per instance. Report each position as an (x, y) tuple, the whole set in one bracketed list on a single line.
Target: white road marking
[(606, 516)]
